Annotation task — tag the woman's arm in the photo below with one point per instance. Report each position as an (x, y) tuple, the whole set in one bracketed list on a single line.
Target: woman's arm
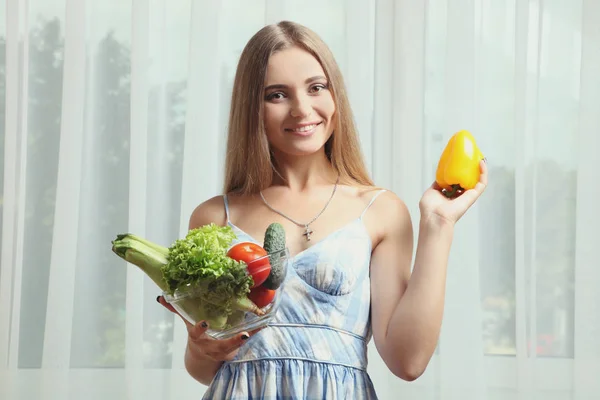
[(201, 368), (201, 352), (407, 308)]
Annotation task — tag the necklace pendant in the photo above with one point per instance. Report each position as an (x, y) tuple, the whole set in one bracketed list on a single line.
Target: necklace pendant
[(307, 233)]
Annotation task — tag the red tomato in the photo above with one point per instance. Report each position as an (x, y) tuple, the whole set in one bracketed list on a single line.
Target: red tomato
[(248, 252), (261, 296)]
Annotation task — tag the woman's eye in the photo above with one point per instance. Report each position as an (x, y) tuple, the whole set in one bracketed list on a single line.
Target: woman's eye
[(317, 88), (275, 96)]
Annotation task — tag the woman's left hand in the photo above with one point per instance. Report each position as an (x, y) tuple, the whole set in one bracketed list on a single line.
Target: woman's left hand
[(435, 204)]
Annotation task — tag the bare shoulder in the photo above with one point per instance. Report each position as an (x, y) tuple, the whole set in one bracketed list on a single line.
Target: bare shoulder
[(389, 204), (388, 215), (209, 211)]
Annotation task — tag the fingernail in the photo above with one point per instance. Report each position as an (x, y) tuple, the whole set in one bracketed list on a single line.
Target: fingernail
[(158, 299), (204, 324), (245, 337)]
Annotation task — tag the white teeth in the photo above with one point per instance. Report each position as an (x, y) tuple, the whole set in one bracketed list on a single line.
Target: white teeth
[(304, 128)]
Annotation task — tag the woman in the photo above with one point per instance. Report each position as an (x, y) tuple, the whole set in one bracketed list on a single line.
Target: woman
[(293, 157)]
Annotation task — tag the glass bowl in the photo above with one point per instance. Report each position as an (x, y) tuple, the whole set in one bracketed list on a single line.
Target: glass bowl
[(186, 303)]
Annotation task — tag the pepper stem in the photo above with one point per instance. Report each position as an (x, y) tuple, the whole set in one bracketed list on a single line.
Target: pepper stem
[(452, 192)]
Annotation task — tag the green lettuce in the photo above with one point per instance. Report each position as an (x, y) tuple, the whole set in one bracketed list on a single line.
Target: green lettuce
[(197, 266)]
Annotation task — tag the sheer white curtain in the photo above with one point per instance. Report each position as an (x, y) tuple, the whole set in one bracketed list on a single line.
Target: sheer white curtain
[(112, 119)]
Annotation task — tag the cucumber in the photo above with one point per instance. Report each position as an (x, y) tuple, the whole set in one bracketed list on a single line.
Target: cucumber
[(274, 242), (274, 238)]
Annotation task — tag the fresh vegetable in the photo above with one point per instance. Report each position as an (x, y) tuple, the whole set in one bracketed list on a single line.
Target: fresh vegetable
[(458, 167), (197, 264), (262, 296), (275, 242), (255, 257), (236, 318), (274, 238)]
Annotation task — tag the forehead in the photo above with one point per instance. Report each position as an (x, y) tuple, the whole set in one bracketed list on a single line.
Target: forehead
[(292, 65)]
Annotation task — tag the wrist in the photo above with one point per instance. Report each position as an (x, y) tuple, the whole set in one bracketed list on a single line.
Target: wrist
[(435, 223)]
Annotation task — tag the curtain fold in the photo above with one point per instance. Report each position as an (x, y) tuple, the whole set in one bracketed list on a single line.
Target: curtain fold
[(65, 228), (11, 135), (113, 119), (587, 274)]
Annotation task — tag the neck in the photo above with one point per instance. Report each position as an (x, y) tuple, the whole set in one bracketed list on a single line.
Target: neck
[(300, 173)]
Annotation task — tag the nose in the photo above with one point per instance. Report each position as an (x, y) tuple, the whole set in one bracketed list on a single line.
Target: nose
[(301, 107)]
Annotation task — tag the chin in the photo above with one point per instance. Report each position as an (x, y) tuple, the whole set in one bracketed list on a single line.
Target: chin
[(304, 148), (304, 152), (297, 150)]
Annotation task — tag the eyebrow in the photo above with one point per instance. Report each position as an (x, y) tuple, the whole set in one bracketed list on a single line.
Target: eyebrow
[(309, 80)]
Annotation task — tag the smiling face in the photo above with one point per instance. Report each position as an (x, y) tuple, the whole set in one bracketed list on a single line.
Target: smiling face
[(299, 108)]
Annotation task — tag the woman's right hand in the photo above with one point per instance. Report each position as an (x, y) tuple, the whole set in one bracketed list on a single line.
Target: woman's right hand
[(204, 346)]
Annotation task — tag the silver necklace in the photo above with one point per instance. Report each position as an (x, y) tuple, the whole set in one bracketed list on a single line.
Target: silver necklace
[(307, 230)]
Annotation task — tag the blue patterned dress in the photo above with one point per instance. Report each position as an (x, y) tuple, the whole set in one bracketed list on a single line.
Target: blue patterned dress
[(316, 345)]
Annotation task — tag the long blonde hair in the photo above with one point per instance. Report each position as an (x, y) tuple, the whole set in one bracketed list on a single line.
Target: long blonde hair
[(249, 166)]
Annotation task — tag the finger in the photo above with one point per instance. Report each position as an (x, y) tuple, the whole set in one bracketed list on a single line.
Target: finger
[(228, 345), (197, 332), (483, 178), (223, 349), (470, 196), (161, 300)]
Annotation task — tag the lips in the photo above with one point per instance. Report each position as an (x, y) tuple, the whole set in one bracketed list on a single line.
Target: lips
[(304, 128)]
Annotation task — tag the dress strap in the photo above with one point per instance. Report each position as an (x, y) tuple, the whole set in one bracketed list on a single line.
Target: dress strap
[(226, 203), (371, 202)]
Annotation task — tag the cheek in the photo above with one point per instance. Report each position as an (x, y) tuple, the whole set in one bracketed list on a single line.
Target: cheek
[(327, 106), (274, 115)]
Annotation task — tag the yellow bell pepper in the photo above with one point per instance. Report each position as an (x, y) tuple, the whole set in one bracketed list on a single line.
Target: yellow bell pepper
[(458, 167)]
